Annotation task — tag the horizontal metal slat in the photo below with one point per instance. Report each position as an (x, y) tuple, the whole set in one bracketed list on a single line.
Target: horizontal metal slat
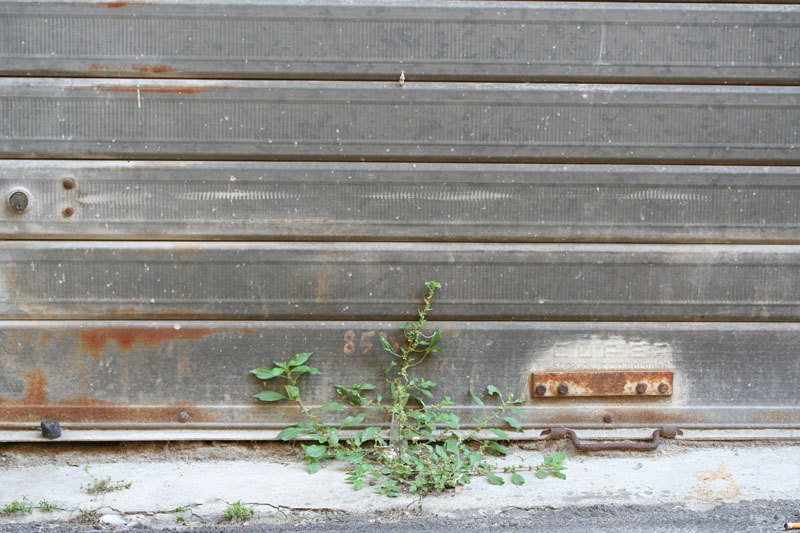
[(386, 201), (190, 375), (507, 41), (335, 281), (340, 121)]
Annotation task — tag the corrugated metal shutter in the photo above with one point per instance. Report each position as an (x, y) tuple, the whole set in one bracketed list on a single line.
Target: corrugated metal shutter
[(193, 190)]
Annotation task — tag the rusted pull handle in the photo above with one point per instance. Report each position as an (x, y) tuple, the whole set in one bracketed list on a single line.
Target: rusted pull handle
[(667, 432)]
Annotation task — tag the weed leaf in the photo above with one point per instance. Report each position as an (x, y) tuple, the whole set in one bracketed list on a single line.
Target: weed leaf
[(498, 448), (302, 369), (370, 433), (475, 398), (315, 450), (517, 479), (333, 406), (513, 422), (384, 343), (266, 373), (500, 433), (299, 359), (494, 479), (556, 458), (353, 420), (291, 433), (292, 391), (270, 396)]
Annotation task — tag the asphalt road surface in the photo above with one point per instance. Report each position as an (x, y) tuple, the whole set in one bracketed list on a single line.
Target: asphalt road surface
[(755, 516)]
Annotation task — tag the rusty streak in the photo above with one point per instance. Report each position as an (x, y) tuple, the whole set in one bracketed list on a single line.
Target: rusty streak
[(154, 69), (83, 409), (36, 406), (159, 90), (35, 388), (118, 5), (94, 340)]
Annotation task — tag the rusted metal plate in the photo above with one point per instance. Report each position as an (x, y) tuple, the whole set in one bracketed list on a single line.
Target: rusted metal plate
[(149, 375), (356, 121), (508, 41), (395, 201), (602, 383), (340, 281)]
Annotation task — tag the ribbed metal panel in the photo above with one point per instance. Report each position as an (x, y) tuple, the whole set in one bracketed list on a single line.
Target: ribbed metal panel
[(82, 118), (340, 281), (651, 175), (196, 374), (474, 41), (385, 201)]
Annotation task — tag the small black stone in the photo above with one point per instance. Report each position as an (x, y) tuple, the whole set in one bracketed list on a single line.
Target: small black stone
[(51, 430)]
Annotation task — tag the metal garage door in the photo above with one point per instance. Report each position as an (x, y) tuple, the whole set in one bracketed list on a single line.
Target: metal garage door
[(608, 193)]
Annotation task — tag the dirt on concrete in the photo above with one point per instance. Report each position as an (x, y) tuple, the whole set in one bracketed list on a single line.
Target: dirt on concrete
[(72, 454), (75, 454)]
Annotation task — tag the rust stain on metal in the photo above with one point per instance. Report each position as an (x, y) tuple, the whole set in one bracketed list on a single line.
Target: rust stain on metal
[(94, 340), (145, 312), (82, 409), (44, 338), (36, 406), (119, 5), (172, 89), (185, 251), (322, 292), (601, 383), (35, 388), (154, 69)]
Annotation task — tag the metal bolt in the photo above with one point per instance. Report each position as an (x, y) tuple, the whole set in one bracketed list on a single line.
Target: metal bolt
[(663, 388), (540, 390), (68, 183), (184, 417), (608, 418), (641, 388), (69, 211), (18, 201), (562, 389)]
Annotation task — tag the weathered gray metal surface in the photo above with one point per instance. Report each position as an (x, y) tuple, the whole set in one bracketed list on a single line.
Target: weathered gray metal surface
[(387, 201), (339, 121), (195, 374), (337, 281), (478, 41), (441, 157)]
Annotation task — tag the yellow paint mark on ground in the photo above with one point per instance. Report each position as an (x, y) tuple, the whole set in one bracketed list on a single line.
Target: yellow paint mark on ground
[(715, 485)]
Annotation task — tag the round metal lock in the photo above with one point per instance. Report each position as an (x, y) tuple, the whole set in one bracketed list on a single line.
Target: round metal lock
[(18, 201)]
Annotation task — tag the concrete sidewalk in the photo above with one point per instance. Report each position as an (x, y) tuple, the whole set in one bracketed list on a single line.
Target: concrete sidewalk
[(193, 483)]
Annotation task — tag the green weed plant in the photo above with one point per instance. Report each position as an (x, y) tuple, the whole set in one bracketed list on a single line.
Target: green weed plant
[(425, 450)]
